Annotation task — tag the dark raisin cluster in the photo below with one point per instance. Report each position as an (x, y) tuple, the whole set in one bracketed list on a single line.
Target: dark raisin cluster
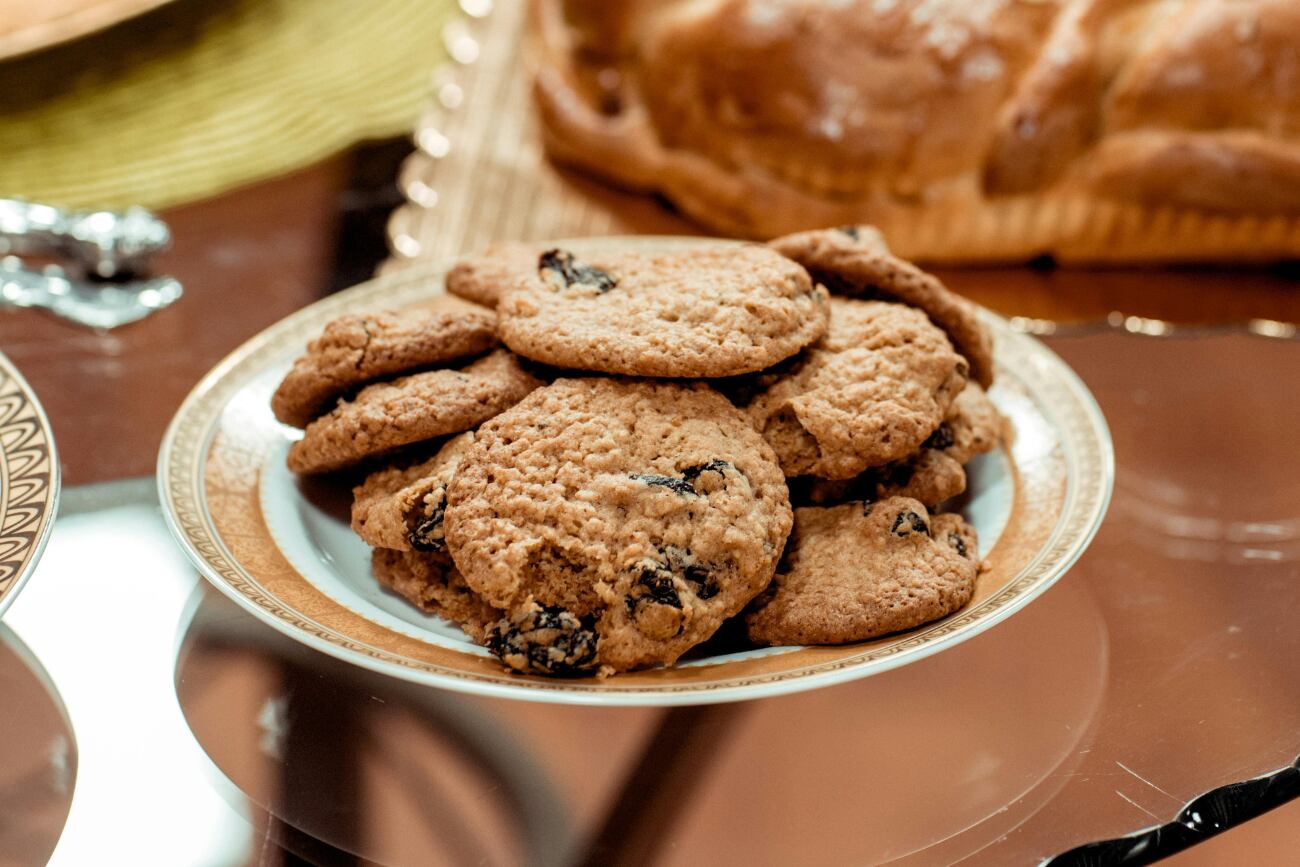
[(702, 578), (572, 271), (941, 438), (427, 535), (690, 474), (908, 523), (655, 587), (684, 484), (545, 639), (655, 603), (661, 582), (677, 486)]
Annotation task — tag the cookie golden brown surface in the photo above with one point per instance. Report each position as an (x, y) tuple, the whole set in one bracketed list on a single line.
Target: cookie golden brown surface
[(411, 409), (934, 473), (859, 570), (854, 261), (698, 312), (870, 392), (644, 512), (599, 523), (354, 350)]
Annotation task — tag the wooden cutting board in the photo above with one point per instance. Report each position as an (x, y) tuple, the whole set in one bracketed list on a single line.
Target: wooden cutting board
[(30, 25)]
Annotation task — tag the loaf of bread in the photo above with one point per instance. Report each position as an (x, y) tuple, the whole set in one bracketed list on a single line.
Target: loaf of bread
[(967, 130)]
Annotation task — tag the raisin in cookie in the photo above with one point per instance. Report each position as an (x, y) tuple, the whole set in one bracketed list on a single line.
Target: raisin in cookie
[(855, 571), (402, 507), (483, 278), (356, 349), (870, 392), (644, 513), (929, 476), (431, 583), (545, 639), (933, 474), (695, 312), (411, 409), (854, 261), (973, 426)]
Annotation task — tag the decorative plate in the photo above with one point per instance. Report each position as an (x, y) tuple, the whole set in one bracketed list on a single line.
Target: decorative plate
[(29, 481), (282, 549)]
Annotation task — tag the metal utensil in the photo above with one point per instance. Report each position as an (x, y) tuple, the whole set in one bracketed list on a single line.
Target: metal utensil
[(103, 245), (97, 305)]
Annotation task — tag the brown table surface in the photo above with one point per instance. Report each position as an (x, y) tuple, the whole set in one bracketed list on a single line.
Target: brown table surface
[(1164, 666)]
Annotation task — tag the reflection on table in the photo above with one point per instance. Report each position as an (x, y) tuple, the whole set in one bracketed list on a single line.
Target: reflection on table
[(38, 756), (1163, 665), (359, 760)]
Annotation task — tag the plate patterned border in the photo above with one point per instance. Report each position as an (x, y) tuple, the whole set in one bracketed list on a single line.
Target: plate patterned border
[(187, 453), (29, 481)]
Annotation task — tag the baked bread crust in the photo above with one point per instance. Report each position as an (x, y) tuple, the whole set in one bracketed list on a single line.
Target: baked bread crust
[(967, 130)]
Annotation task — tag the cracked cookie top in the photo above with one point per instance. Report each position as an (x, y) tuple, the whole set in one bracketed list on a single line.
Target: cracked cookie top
[(870, 392), (854, 261), (697, 312), (858, 570), (357, 349), (411, 409), (646, 512)]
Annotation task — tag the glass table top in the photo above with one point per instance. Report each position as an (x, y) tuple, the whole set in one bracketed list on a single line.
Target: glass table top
[(38, 756), (1163, 666)]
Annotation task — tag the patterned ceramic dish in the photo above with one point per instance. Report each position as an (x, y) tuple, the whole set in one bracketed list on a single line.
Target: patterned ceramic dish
[(29, 481), (281, 547)]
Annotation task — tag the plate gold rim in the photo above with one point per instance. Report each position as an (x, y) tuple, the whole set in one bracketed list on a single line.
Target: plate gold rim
[(185, 450), (29, 481)]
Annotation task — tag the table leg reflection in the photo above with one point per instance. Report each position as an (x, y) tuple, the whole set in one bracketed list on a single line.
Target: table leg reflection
[(375, 769), (38, 757), (659, 788), (934, 761), (326, 780)]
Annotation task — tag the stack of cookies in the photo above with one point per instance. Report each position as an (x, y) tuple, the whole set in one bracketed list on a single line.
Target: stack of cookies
[(594, 462)]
